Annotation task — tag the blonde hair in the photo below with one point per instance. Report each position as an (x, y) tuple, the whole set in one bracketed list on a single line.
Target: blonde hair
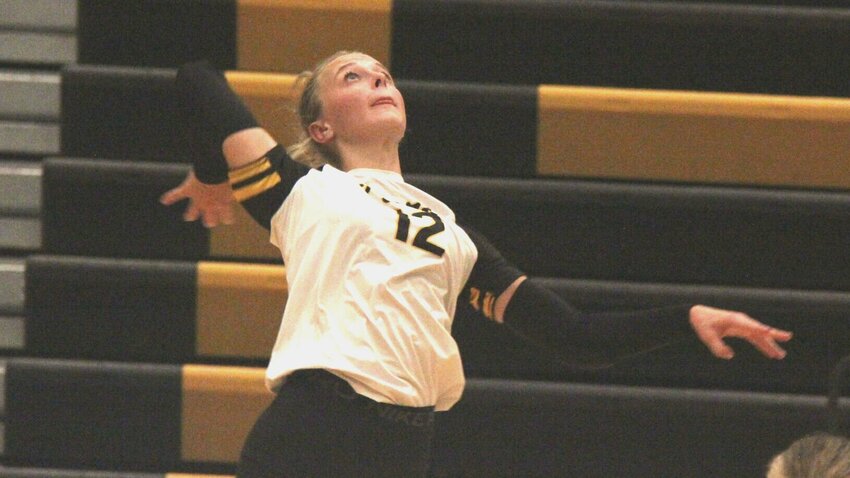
[(306, 150), (815, 456)]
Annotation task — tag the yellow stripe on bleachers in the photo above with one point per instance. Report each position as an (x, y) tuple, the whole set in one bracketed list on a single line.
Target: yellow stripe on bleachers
[(239, 307), (693, 137), (219, 406), (292, 35)]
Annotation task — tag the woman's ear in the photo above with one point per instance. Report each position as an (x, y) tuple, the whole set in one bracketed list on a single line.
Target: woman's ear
[(321, 132)]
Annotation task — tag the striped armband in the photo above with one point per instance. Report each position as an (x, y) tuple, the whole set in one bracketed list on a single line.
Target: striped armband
[(255, 177), (483, 302), (491, 275)]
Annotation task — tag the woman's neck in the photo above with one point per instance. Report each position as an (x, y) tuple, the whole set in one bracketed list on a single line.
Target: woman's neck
[(373, 156)]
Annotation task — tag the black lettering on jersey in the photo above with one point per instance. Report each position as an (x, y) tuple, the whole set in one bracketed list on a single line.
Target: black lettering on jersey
[(420, 240), (403, 226)]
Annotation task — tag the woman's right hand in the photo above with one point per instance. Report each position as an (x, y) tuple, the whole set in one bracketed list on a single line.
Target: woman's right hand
[(212, 203)]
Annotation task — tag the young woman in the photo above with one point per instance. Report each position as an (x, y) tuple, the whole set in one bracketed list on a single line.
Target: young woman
[(375, 268)]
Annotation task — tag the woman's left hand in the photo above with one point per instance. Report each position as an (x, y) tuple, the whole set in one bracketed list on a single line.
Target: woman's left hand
[(713, 325)]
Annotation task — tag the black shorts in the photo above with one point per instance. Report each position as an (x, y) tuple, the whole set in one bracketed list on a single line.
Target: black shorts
[(319, 426)]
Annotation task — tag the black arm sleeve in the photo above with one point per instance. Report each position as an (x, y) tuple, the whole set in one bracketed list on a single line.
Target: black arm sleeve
[(544, 318), (490, 275), (591, 340), (210, 111), (262, 185)]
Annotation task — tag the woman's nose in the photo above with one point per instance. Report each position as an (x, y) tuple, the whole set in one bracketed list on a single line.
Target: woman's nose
[(379, 82)]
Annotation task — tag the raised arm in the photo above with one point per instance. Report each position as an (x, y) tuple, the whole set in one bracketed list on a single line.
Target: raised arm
[(502, 293), (233, 158)]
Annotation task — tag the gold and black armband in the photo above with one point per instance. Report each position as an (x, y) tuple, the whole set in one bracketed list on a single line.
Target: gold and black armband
[(262, 185), (254, 178), (490, 276)]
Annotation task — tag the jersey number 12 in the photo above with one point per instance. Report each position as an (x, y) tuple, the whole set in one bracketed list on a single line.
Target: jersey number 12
[(420, 240)]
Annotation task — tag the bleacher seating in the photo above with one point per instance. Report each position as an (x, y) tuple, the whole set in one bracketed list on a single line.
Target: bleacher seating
[(148, 416), (635, 153), (668, 45), (38, 32), (578, 229), (20, 205), (12, 323), (229, 313), (516, 131), (29, 112)]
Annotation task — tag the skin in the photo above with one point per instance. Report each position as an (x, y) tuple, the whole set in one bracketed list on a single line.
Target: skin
[(364, 120), (777, 469), (363, 117)]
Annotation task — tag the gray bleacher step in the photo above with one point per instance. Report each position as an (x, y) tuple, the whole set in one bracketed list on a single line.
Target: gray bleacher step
[(50, 48), (29, 137), (2, 388), (20, 188), (29, 95), (12, 284), (2, 407), (20, 233), (53, 15), (12, 333), (20, 206), (29, 472)]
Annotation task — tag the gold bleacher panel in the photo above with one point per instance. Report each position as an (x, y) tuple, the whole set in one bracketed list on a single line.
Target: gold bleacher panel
[(245, 239), (291, 36), (693, 137), (220, 405), (239, 307), (271, 97)]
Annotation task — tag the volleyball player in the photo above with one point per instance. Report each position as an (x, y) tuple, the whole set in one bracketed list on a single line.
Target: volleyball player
[(375, 268)]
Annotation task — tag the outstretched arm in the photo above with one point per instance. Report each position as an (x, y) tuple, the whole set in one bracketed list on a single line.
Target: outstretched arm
[(230, 153), (502, 293)]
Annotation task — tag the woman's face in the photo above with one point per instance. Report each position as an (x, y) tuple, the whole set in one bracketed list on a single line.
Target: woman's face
[(360, 102)]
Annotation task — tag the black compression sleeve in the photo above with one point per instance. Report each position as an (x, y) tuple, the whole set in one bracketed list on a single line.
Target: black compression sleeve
[(212, 112), (591, 340), (490, 275)]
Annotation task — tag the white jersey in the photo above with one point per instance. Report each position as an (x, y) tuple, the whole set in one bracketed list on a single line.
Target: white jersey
[(374, 267)]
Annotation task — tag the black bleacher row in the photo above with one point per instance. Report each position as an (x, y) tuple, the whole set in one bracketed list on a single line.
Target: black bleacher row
[(692, 46), (148, 417), (129, 113), (568, 229), (504, 131), (783, 47)]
